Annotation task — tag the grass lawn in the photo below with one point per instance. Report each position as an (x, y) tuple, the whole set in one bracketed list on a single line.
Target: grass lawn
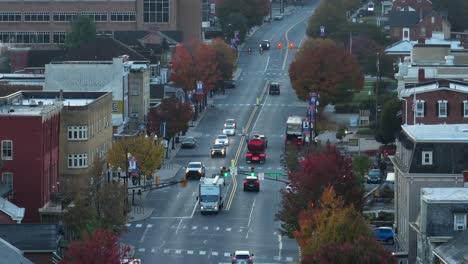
[(363, 95)]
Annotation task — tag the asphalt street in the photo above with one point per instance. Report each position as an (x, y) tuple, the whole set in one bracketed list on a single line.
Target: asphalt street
[(176, 232)]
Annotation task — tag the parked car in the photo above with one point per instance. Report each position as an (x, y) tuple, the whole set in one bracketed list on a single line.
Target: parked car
[(242, 257), (229, 84), (374, 176), (384, 234), (188, 142)]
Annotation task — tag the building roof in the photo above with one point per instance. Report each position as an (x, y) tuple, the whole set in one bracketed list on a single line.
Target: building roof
[(444, 194), (14, 212), (454, 250), (32, 237), (11, 255), (130, 38), (157, 91), (404, 47), (450, 133), (14, 105), (39, 58), (403, 18), (103, 48), (434, 85)]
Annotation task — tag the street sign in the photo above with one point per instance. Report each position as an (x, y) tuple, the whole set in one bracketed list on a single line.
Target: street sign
[(261, 176), (199, 87), (322, 31), (233, 171), (305, 124), (233, 163)]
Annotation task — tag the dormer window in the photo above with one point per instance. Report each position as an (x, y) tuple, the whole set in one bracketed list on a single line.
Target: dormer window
[(420, 108), (442, 108), (426, 158), (459, 222)]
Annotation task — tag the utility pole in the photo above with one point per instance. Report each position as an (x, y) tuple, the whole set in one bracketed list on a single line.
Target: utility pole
[(377, 83), (281, 6)]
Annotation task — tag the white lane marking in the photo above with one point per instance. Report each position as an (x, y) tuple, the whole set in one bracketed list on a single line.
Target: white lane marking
[(280, 245), (205, 228), (141, 250), (149, 225), (250, 218), (214, 253), (194, 227), (290, 259), (217, 228), (139, 225), (144, 233), (194, 208), (166, 251), (228, 229), (128, 225), (178, 226), (227, 254), (202, 252), (190, 252), (276, 258), (153, 250), (178, 251), (266, 66)]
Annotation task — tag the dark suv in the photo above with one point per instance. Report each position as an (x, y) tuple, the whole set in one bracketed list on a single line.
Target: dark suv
[(274, 88), (265, 45), (374, 176), (251, 183), (218, 150)]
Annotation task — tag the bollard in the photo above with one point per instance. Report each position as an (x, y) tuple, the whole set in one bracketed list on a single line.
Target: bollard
[(158, 181), (258, 101)]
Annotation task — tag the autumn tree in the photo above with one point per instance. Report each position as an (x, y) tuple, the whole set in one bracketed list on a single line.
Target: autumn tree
[(320, 65), (148, 153), (192, 62), (225, 59), (390, 120), (174, 113), (99, 247), (91, 209), (318, 171), (83, 30), (334, 223)]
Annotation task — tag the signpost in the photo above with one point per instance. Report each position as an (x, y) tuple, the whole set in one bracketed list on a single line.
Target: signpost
[(261, 176)]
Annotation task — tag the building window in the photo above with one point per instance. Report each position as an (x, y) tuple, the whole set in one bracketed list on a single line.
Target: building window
[(123, 16), (77, 133), (37, 17), (135, 91), (420, 108), (156, 11), (7, 150), (206, 10), (64, 16), (7, 178), (465, 108), (10, 16), (96, 16), (25, 37), (442, 108), (77, 161), (59, 37), (459, 222), (426, 158)]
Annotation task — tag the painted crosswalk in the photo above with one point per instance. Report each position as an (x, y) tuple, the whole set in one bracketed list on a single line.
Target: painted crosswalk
[(214, 253)]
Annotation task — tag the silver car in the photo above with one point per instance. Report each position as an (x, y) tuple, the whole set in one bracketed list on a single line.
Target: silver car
[(222, 139), (229, 130)]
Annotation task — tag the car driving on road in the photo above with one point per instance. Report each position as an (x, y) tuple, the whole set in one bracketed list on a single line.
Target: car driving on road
[(251, 183), (265, 44), (218, 150), (242, 257), (222, 139), (229, 130), (374, 176), (384, 234), (195, 169), (229, 122)]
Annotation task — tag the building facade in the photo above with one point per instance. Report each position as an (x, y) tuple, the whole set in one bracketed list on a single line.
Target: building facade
[(43, 23), (443, 215), (85, 132), (435, 102), (29, 135), (427, 156), (139, 95)]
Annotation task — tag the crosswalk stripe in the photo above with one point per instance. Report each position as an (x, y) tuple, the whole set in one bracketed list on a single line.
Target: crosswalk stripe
[(217, 228), (214, 253), (289, 259), (202, 252), (205, 227), (149, 225), (153, 250), (227, 254), (194, 227), (190, 252), (128, 225), (141, 250), (166, 251), (178, 251), (228, 229), (139, 225)]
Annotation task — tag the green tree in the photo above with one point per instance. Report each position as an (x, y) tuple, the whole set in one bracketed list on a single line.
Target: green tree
[(83, 30), (361, 164), (252, 10), (235, 22), (148, 153), (390, 121), (331, 14)]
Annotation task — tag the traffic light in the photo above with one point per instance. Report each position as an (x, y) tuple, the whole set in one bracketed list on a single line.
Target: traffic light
[(252, 171), (312, 204), (280, 45), (291, 45), (250, 51), (225, 172)]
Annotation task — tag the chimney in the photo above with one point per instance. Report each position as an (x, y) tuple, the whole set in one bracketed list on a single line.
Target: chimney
[(421, 75), (465, 178), (61, 95), (421, 40), (449, 59)]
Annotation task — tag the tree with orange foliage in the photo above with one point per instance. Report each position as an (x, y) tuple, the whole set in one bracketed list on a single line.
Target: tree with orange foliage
[(321, 66), (99, 247), (337, 233), (192, 62)]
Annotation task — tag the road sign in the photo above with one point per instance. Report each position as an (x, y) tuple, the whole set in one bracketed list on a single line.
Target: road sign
[(261, 176), (199, 87), (305, 124), (233, 171), (233, 163)]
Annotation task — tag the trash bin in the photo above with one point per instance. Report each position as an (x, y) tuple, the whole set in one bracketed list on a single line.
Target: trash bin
[(177, 139)]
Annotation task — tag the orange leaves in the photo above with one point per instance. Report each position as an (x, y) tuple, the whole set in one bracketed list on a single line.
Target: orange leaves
[(192, 62), (321, 65)]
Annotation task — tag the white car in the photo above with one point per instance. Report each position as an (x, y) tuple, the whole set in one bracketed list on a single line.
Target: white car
[(229, 130), (222, 139), (242, 257)]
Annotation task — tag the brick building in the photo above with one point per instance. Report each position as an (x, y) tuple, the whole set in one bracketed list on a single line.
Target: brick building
[(45, 23), (30, 152), (411, 25), (420, 6)]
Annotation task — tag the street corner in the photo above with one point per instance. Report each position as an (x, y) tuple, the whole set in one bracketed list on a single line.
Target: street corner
[(168, 171), (237, 74), (138, 213)]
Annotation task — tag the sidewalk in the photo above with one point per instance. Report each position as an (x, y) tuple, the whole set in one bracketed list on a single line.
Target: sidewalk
[(166, 173)]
